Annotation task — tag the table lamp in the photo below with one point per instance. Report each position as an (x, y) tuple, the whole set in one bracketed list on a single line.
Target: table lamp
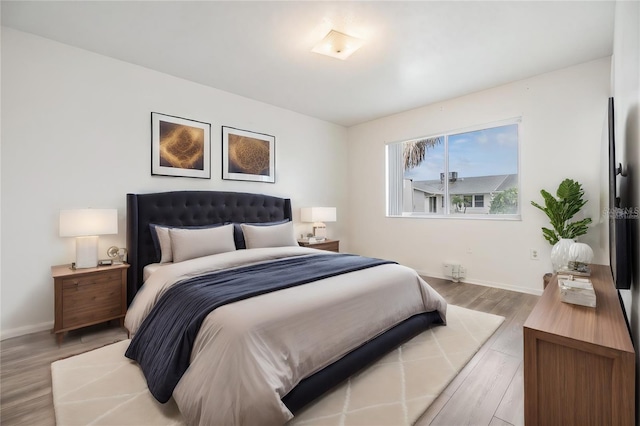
[(318, 215), (86, 225)]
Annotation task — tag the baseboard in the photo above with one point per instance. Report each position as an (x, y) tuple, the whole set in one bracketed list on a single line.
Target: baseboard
[(27, 329), (519, 289)]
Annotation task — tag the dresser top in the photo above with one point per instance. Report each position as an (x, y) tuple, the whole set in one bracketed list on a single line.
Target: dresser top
[(603, 325)]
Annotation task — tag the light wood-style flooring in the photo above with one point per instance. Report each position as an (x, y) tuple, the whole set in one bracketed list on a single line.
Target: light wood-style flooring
[(488, 391), (490, 388)]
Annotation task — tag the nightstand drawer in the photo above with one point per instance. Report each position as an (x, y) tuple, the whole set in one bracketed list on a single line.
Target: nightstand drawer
[(89, 302), (73, 283), (89, 315)]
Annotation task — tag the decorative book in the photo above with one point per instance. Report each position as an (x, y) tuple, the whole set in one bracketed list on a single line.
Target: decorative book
[(578, 291)]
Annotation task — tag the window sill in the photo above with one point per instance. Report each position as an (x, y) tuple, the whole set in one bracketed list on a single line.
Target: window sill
[(505, 217)]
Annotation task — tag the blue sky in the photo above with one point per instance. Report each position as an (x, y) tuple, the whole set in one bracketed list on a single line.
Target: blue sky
[(485, 152)]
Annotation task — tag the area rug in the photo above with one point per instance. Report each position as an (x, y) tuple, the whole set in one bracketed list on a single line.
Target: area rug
[(102, 387)]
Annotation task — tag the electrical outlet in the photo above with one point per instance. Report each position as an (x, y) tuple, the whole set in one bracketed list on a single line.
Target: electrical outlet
[(446, 267), (533, 253)]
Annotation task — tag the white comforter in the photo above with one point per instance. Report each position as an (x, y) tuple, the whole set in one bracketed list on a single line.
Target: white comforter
[(251, 353)]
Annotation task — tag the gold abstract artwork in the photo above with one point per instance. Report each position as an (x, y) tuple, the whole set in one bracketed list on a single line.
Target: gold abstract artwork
[(181, 146), (248, 155)]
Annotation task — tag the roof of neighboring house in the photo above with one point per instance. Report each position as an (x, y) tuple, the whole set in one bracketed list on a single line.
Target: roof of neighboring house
[(469, 185)]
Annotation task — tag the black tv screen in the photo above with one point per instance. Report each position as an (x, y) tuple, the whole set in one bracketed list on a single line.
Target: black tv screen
[(619, 220)]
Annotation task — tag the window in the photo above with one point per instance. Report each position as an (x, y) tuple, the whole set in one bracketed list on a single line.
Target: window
[(481, 169)]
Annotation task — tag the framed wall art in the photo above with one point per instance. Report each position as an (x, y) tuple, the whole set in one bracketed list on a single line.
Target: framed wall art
[(180, 147), (248, 155)]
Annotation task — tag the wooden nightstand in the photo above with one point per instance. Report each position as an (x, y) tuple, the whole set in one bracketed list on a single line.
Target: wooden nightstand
[(88, 296), (328, 245)]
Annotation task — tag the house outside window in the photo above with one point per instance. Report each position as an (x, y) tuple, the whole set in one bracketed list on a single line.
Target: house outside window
[(482, 169)]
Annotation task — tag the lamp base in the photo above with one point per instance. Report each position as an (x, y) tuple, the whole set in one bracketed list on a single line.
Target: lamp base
[(86, 252), (319, 230)]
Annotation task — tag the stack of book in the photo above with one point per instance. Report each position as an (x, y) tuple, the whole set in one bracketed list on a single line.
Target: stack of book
[(578, 291)]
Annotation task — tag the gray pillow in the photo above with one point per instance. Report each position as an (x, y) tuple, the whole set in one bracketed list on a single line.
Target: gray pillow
[(192, 243), (269, 236), (239, 237), (162, 240)]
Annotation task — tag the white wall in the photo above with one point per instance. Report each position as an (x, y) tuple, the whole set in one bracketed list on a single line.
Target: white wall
[(76, 133), (625, 78), (563, 114)]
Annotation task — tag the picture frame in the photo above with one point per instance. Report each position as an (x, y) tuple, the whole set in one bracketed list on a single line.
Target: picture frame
[(180, 147), (248, 156)]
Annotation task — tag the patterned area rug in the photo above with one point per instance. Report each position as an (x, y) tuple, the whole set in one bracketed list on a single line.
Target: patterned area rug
[(102, 387)]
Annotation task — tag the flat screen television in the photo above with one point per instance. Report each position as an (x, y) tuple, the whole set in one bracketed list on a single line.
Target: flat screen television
[(619, 216)]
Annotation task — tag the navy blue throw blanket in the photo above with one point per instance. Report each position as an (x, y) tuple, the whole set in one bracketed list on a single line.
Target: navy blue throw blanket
[(163, 343)]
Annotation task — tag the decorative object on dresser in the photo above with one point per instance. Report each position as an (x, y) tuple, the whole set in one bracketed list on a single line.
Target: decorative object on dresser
[(580, 256), (180, 147), (86, 225), (577, 290), (579, 362), (248, 155), (88, 296), (328, 245), (560, 254), (318, 215), (560, 211)]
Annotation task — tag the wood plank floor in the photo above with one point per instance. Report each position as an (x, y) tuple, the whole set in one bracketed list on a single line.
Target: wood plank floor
[(488, 391)]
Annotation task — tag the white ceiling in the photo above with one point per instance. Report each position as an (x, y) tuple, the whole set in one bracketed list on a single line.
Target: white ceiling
[(415, 53)]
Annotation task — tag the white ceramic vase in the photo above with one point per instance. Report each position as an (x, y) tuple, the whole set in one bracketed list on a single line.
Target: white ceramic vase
[(560, 253), (580, 253)]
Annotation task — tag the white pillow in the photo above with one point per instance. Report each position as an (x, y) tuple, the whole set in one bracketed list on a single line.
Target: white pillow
[(164, 240), (191, 243), (269, 236)]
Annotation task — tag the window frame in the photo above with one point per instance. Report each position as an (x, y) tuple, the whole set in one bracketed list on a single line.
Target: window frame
[(446, 205)]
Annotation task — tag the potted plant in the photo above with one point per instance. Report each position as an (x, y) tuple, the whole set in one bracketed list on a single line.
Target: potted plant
[(560, 211)]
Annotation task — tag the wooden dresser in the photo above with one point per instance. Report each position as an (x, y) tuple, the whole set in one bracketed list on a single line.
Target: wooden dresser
[(579, 362), (88, 296)]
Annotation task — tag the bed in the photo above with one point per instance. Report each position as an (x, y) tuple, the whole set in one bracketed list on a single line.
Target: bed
[(299, 377)]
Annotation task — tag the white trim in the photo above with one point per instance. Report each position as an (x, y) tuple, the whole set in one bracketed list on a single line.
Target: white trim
[(474, 216), (27, 329), (485, 283)]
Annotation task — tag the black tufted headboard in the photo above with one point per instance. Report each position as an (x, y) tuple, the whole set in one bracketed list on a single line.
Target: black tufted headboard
[(189, 208)]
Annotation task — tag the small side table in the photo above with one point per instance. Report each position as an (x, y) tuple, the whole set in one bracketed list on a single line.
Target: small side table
[(546, 278), (328, 245), (88, 296)]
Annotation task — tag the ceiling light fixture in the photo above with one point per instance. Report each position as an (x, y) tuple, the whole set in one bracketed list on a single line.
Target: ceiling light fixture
[(338, 45)]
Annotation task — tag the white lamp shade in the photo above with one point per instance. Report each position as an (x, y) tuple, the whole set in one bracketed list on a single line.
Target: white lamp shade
[(88, 222), (318, 214)]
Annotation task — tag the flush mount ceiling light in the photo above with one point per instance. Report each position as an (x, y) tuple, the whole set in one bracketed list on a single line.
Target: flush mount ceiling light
[(337, 45)]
